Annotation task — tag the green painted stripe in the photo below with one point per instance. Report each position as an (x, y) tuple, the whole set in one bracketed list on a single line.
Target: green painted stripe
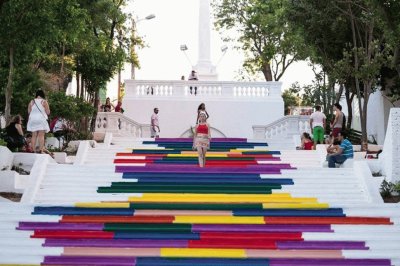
[(184, 190), (148, 227)]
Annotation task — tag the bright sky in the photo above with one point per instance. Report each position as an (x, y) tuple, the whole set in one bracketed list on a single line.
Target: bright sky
[(176, 23)]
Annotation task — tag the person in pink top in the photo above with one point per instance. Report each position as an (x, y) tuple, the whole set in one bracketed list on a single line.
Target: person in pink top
[(201, 138), (317, 125)]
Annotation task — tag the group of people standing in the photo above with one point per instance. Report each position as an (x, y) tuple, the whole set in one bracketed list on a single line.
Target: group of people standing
[(340, 149), (201, 132)]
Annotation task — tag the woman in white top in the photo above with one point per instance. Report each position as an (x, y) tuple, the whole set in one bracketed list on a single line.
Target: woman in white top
[(38, 110)]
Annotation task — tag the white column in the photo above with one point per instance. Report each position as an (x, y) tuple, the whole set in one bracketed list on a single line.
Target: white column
[(205, 69)]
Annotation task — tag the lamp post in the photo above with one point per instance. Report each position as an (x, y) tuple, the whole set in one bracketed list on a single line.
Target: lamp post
[(184, 48), (151, 16)]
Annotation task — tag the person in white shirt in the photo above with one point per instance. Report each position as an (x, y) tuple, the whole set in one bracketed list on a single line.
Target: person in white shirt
[(193, 76), (155, 127), (317, 125)]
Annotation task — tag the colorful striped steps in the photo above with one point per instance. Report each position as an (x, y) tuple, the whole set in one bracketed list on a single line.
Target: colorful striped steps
[(203, 228)]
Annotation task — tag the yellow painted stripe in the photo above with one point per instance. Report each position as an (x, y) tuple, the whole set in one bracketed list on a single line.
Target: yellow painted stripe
[(203, 253), (179, 219), (221, 198), (102, 204), (295, 205)]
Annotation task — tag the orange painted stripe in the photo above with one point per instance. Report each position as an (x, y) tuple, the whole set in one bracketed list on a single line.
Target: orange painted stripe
[(326, 220), (117, 219)]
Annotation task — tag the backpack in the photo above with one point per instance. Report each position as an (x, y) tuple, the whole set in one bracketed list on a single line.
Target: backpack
[(53, 123), (344, 122)]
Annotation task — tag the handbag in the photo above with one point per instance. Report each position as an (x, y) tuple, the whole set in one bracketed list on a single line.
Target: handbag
[(15, 141)]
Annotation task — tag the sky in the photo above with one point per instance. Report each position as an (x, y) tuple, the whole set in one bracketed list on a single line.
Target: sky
[(176, 23)]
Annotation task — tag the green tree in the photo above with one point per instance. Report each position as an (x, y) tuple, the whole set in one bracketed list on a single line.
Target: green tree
[(26, 27), (262, 34), (291, 98)]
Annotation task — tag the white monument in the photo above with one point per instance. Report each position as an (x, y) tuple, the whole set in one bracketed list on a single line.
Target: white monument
[(204, 67)]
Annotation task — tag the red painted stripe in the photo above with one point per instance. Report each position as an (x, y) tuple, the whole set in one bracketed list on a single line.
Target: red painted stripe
[(230, 243), (72, 234), (133, 161), (235, 155), (326, 220), (251, 236), (117, 219)]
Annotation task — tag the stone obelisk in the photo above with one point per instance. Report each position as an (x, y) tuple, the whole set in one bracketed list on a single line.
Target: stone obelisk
[(204, 67)]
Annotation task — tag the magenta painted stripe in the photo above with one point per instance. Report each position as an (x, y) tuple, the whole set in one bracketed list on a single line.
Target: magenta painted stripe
[(329, 262), (60, 226), (191, 140), (116, 243), (326, 245), (261, 228)]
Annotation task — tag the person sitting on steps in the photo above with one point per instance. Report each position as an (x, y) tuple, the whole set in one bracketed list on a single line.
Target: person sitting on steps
[(340, 151)]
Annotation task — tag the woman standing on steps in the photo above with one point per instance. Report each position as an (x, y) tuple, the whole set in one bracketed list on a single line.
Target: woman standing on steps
[(38, 110), (201, 108), (201, 140)]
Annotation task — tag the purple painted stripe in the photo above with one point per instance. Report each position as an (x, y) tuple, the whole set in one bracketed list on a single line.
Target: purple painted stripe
[(116, 243), (150, 167), (60, 226), (329, 262), (90, 260), (261, 228), (329, 245)]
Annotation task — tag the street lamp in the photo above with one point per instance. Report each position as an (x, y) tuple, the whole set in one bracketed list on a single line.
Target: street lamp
[(184, 48), (151, 16), (224, 48)]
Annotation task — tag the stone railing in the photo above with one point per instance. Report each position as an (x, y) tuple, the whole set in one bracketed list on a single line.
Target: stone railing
[(285, 127), (217, 89), (390, 158), (120, 125)]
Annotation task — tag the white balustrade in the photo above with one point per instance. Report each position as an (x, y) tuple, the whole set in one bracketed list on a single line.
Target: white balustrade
[(285, 127), (390, 157), (120, 125), (211, 89)]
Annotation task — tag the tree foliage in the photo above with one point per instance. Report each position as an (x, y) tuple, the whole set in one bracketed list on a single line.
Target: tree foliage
[(44, 42), (261, 31)]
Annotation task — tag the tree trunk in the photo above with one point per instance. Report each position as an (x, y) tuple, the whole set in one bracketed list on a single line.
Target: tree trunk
[(8, 92), (77, 84), (96, 104), (349, 108), (82, 88), (364, 136), (266, 69), (62, 75)]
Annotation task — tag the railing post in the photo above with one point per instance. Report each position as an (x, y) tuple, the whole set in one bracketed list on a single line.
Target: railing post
[(259, 132)]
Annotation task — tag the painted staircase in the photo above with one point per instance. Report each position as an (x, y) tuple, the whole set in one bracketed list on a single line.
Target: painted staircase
[(145, 202)]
